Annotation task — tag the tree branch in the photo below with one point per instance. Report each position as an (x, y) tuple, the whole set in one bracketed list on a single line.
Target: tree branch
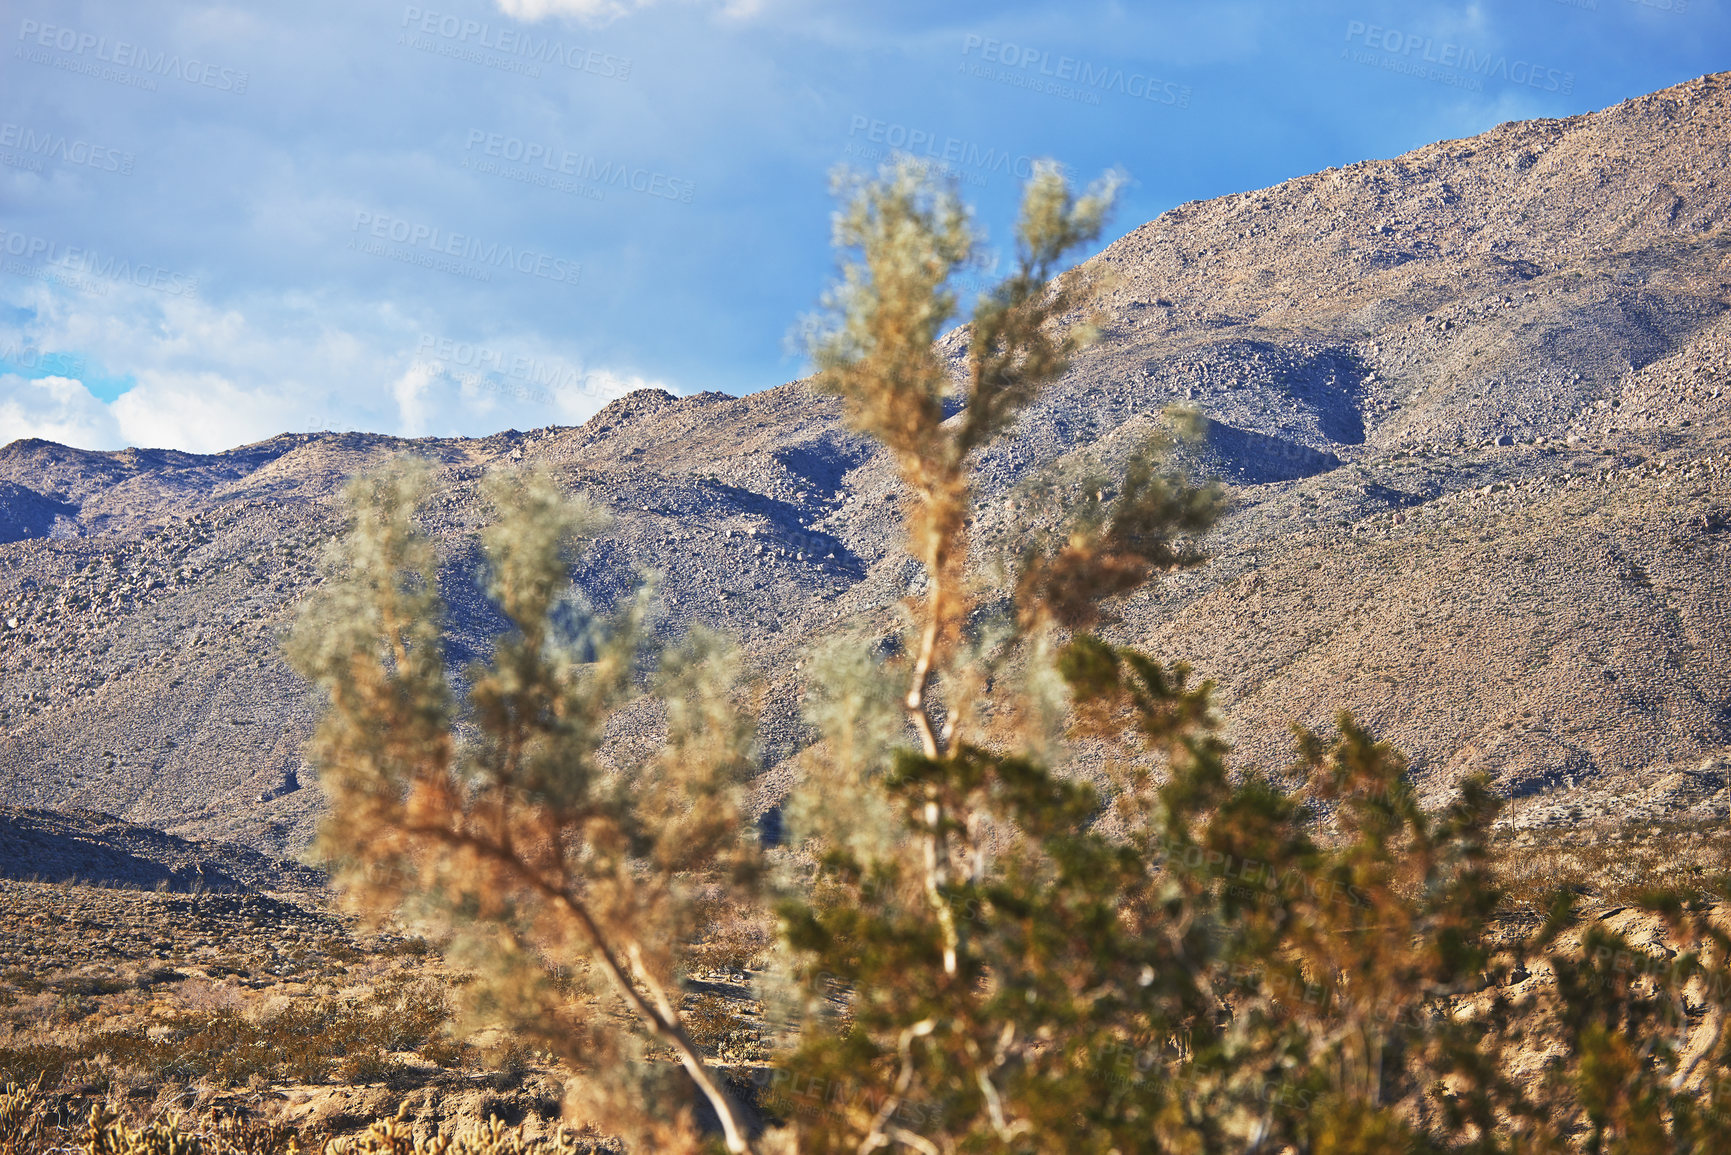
[(936, 848), (879, 1135), (662, 1021)]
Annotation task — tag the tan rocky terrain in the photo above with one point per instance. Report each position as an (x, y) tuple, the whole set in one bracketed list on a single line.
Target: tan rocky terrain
[(1471, 402), (260, 1005), (189, 978)]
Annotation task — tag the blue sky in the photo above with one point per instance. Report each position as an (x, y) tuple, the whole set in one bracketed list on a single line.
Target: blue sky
[(219, 222)]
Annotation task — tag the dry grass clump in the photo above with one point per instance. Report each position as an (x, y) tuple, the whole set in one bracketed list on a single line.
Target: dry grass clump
[(736, 938), (35, 1123), (1611, 863), (174, 999), (494, 1137), (309, 1040), (197, 1005)]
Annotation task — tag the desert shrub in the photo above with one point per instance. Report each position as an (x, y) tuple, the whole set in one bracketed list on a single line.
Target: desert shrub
[(88, 985), (509, 829), (446, 1051), (999, 954), (367, 1066), (31, 1121), (35, 1062), (1604, 863), (340, 950), (1004, 946), (411, 946), (494, 1137), (153, 976), (25, 980)]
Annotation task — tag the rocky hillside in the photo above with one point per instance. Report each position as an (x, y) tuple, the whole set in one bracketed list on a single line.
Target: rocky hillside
[(89, 848), (1472, 403)]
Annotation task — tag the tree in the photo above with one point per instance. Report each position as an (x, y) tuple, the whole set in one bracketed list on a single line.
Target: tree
[(1049, 911), (506, 824), (1155, 951), (992, 970)]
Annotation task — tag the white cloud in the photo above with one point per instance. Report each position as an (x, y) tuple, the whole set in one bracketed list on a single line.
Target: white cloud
[(210, 378), (202, 412), (589, 11), (438, 399), (55, 409), (411, 394), (606, 11)]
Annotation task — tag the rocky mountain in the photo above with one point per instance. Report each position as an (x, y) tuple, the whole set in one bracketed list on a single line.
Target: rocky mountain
[(1472, 404)]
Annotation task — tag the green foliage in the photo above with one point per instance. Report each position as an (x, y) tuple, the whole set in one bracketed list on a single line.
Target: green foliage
[(876, 352), (1182, 956), (1105, 548)]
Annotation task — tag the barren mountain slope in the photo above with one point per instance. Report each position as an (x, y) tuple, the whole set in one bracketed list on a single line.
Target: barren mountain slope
[(1472, 403)]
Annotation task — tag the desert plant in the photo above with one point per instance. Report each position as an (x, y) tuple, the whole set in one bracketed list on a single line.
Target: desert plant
[(1005, 946), (396, 1136), (506, 825), (32, 1123), (1002, 955), (994, 953)]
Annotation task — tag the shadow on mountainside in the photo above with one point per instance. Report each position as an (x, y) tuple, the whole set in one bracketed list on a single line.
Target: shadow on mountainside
[(1249, 458), (97, 849), (24, 513)]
